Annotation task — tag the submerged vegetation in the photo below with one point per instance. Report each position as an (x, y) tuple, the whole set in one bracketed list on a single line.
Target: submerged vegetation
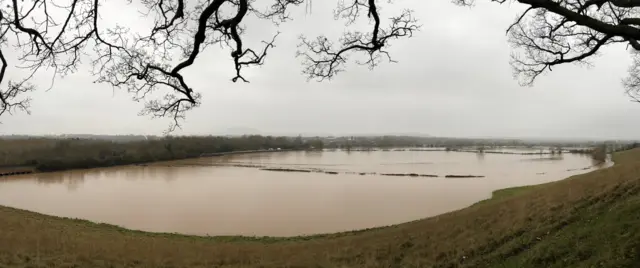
[(588, 220), (368, 173), (463, 176)]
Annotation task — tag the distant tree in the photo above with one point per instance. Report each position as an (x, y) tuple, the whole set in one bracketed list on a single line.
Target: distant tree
[(599, 153), (316, 144), (554, 32), (298, 141), (150, 63), (169, 147), (481, 149)]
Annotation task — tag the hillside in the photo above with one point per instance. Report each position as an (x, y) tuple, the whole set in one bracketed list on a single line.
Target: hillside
[(590, 220)]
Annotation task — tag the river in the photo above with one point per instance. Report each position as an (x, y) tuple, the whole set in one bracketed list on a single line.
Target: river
[(235, 195)]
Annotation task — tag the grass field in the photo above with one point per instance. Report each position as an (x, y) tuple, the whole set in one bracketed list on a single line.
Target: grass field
[(589, 220)]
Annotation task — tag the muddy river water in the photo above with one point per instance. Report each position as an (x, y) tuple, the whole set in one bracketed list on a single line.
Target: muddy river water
[(235, 195)]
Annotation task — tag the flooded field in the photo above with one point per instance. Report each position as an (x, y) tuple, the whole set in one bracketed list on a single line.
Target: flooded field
[(283, 193)]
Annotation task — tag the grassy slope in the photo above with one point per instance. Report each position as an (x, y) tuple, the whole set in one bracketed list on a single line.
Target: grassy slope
[(590, 220)]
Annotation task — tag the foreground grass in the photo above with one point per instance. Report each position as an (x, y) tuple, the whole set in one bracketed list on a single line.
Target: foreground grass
[(590, 220)]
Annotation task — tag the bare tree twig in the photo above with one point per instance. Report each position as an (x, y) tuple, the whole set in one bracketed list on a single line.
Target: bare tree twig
[(60, 35), (555, 32), (322, 61)]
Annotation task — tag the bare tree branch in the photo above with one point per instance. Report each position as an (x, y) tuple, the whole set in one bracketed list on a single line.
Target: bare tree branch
[(60, 34), (9, 101), (322, 61), (555, 32)]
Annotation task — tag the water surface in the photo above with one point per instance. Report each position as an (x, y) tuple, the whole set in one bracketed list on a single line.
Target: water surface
[(214, 196)]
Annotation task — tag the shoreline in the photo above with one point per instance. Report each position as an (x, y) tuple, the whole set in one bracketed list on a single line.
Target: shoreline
[(496, 195)]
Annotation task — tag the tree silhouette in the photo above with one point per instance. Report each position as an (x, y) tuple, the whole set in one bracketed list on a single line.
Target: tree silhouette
[(555, 32), (61, 34)]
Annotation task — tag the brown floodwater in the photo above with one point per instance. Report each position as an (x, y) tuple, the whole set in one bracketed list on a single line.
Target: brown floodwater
[(232, 195)]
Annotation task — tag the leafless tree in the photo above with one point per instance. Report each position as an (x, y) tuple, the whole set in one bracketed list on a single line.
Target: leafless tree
[(554, 32), (61, 34)]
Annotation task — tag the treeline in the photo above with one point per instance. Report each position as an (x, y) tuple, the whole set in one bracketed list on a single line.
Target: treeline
[(117, 138), (62, 154), (599, 153), (453, 144), (626, 147), (363, 142)]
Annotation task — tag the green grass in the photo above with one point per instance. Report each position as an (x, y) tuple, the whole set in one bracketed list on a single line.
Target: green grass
[(589, 220), (499, 195)]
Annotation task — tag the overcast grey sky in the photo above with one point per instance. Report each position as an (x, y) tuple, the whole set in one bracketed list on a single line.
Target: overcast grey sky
[(451, 79)]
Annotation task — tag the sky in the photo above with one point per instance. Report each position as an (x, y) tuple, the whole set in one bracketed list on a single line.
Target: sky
[(451, 79)]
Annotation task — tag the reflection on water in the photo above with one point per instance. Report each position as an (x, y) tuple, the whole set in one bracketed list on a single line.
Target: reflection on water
[(212, 196), (72, 179)]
